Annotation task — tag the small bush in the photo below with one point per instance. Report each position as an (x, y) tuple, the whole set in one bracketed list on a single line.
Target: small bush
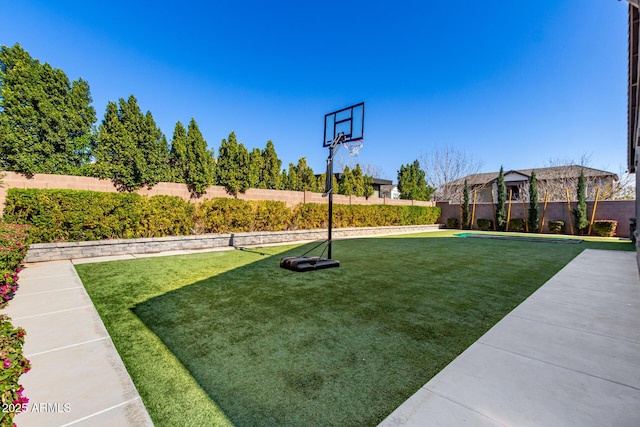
[(14, 242), (605, 228), (453, 223), (556, 227), (517, 224), (485, 224)]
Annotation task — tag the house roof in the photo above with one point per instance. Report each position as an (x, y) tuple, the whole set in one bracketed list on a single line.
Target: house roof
[(542, 174)]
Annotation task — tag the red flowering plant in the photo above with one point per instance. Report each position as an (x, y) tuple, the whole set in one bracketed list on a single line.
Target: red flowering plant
[(14, 241), (14, 364)]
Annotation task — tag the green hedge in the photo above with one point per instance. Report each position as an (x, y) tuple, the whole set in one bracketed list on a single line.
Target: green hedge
[(77, 215), (605, 227), (485, 224), (517, 224)]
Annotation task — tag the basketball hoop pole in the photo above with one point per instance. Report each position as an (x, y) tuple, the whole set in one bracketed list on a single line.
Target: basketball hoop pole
[(329, 184)]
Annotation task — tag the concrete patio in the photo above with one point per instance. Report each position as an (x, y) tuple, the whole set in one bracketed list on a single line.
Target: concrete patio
[(567, 356)]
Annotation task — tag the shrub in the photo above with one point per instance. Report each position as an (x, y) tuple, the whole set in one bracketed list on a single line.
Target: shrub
[(71, 215), (14, 241), (517, 224), (556, 227), (605, 228), (453, 223), (14, 364), (485, 224), (75, 215)]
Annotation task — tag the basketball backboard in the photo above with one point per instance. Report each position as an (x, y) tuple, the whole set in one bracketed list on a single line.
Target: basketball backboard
[(348, 121)]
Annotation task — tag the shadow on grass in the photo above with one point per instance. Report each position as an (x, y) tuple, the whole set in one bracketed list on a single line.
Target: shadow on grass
[(346, 346)]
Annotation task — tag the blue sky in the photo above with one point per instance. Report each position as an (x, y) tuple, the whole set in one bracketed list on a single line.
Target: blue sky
[(514, 83)]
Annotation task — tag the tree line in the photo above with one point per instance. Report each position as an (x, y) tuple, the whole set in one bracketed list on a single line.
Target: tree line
[(48, 125)]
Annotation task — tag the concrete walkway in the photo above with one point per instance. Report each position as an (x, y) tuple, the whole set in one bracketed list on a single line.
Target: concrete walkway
[(567, 356), (77, 377)]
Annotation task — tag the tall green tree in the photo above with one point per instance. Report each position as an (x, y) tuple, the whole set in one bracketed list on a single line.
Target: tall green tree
[(580, 211), (534, 215), (301, 176), (347, 183), (233, 166), (412, 183), (501, 211), (178, 153), (270, 176), (256, 167), (199, 172), (466, 217), (131, 149), (46, 121)]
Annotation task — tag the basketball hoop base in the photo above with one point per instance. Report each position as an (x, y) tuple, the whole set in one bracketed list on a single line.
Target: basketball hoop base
[(305, 263)]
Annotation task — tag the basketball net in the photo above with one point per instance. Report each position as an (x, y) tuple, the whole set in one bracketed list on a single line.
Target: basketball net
[(353, 147)]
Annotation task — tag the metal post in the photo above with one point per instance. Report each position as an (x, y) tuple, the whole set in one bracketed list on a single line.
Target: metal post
[(330, 190)]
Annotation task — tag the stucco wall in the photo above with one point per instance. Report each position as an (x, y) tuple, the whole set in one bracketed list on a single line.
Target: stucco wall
[(291, 198), (619, 210)]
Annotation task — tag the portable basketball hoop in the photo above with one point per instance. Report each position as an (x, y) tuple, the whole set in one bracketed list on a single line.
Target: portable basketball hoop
[(345, 128)]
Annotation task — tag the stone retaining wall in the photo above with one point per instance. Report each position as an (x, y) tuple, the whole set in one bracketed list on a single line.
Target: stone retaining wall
[(73, 250)]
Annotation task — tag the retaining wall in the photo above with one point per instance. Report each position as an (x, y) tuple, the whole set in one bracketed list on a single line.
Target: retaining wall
[(291, 198), (73, 250), (618, 210)]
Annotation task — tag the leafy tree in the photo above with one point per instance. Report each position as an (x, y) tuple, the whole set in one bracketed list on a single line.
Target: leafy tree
[(534, 217), (256, 166), (199, 171), (412, 183), (321, 184), (178, 153), (580, 211), (270, 176), (501, 212), (301, 177), (347, 183), (46, 121), (131, 150), (233, 166), (466, 217)]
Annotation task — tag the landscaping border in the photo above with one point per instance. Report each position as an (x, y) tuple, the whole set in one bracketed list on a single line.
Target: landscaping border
[(39, 252)]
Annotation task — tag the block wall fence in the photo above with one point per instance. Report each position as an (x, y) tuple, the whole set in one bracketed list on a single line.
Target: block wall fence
[(291, 198), (618, 210)]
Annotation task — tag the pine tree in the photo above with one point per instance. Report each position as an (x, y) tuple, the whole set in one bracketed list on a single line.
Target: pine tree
[(131, 150), (233, 166), (412, 183), (580, 211), (466, 217), (199, 173), (178, 154), (501, 212), (270, 176), (255, 170), (46, 121), (533, 203), (346, 183), (305, 178)]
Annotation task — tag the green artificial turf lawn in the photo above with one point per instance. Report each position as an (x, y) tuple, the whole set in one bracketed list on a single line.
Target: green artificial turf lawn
[(229, 338)]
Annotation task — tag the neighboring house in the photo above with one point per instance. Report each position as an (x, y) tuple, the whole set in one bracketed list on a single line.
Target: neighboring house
[(389, 191), (556, 180)]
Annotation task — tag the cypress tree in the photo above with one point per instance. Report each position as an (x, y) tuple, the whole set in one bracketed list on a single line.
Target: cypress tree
[(580, 211), (533, 203), (270, 176), (255, 169), (501, 212), (199, 174), (466, 217), (178, 153), (346, 183), (233, 166)]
